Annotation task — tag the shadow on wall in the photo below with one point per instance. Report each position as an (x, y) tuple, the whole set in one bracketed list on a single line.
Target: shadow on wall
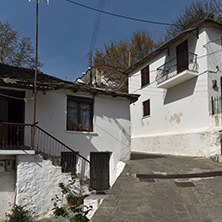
[(109, 134), (180, 91), (83, 144)]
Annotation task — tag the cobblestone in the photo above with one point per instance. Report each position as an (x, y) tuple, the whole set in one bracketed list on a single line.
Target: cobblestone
[(131, 200)]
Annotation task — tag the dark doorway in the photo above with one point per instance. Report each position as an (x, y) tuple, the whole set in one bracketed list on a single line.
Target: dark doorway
[(12, 108), (182, 56), (100, 159)]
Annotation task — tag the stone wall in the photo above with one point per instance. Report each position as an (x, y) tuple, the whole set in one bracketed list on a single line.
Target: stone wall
[(37, 183)]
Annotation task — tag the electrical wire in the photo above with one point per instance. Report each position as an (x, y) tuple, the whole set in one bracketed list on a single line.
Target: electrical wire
[(76, 65), (76, 68), (14, 97), (123, 16), (96, 25)]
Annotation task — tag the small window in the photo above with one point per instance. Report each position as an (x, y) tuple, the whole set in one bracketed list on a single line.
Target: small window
[(146, 108), (79, 114), (145, 76), (68, 162)]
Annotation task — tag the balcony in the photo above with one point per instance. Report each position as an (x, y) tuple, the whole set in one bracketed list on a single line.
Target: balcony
[(177, 70)]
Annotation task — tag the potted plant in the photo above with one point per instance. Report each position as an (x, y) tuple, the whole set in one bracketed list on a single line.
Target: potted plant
[(80, 127), (79, 199), (74, 200), (75, 125), (71, 200), (75, 211), (69, 125)]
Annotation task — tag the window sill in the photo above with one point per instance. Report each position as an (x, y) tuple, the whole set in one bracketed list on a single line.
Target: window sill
[(144, 86), (81, 132), (145, 117)]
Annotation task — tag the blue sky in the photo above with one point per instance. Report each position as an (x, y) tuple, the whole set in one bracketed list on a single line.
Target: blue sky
[(65, 29)]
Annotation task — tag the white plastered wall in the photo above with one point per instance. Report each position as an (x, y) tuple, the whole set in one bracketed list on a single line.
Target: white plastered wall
[(37, 179), (179, 115)]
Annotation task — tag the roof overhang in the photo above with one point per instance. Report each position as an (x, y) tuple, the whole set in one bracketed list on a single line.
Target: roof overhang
[(22, 78)]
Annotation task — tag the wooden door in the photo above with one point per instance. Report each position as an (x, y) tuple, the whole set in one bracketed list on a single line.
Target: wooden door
[(182, 56), (101, 160)]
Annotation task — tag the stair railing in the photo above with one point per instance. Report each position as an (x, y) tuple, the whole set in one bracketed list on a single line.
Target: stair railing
[(14, 136)]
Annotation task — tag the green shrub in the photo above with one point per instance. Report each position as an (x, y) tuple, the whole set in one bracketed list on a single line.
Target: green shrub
[(74, 209), (79, 218), (18, 214)]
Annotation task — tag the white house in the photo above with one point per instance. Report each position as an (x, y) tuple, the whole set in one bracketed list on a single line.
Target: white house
[(179, 110), (92, 122)]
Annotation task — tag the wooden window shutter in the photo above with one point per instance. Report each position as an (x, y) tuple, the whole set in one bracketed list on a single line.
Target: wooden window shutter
[(146, 108), (145, 76)]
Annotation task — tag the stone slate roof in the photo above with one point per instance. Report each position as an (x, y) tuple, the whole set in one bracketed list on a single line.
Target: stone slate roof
[(23, 77), (11, 76)]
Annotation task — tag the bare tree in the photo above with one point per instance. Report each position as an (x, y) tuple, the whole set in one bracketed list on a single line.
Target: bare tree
[(194, 13), (118, 56)]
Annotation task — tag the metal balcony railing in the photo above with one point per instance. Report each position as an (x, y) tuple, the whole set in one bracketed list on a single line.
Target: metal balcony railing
[(19, 136), (185, 61)]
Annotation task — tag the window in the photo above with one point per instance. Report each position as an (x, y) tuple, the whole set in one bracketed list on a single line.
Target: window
[(145, 76), (79, 114), (146, 108)]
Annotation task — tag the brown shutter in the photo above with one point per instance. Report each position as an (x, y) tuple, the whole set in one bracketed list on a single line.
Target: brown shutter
[(145, 76), (146, 108)]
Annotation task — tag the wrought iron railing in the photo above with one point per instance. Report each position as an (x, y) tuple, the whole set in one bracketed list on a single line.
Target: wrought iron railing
[(216, 105), (185, 61), (19, 136)]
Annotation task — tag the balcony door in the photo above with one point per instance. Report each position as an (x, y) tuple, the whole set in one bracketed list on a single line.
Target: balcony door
[(182, 56)]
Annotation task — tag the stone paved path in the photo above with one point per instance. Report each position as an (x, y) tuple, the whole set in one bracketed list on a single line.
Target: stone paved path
[(131, 200)]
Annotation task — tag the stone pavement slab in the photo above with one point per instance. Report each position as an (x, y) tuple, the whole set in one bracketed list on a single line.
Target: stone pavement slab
[(131, 200)]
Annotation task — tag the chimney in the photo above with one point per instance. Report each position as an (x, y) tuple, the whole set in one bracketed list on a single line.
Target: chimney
[(98, 77)]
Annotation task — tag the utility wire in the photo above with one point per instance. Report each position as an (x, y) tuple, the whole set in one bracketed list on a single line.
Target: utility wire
[(96, 25), (122, 16), (14, 97), (78, 65)]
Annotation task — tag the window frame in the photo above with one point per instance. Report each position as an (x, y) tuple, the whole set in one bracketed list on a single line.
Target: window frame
[(146, 108), (80, 100), (145, 76)]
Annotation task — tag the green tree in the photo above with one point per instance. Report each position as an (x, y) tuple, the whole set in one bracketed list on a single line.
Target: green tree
[(15, 51), (194, 13), (118, 56)]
